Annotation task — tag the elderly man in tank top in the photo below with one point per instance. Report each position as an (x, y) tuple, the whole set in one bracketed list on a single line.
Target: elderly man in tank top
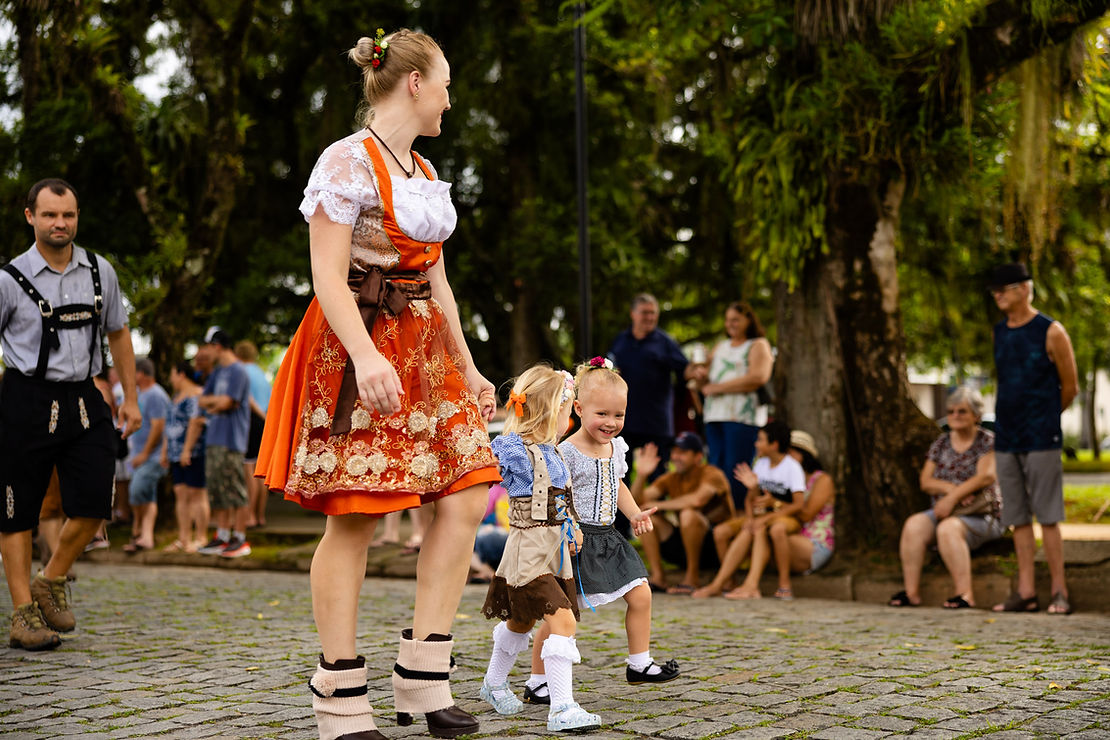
[(1037, 380)]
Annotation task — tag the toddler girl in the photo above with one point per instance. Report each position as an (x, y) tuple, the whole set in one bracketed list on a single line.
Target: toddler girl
[(608, 566), (535, 579)]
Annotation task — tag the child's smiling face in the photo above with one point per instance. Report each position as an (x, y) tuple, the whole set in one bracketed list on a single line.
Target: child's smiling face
[(601, 409)]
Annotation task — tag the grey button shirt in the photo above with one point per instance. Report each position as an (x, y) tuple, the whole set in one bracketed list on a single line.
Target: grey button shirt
[(21, 322)]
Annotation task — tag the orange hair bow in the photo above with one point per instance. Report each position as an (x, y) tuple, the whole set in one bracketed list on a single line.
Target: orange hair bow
[(516, 399)]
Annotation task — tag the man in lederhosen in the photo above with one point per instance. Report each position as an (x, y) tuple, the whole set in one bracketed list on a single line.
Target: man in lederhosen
[(57, 302)]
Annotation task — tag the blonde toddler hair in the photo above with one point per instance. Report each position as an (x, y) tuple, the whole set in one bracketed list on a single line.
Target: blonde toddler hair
[(542, 388), (587, 377)]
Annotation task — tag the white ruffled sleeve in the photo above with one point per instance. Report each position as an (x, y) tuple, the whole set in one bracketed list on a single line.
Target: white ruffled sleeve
[(342, 183)]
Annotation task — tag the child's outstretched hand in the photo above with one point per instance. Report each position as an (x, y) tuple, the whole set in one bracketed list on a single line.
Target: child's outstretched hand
[(642, 522), (743, 473)]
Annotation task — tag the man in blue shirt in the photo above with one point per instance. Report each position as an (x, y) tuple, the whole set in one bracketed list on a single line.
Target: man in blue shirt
[(226, 399), (257, 493), (57, 303), (1037, 380), (146, 466)]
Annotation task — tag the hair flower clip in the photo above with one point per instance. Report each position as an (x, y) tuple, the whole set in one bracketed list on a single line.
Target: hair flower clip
[(568, 387), (601, 362), (380, 47)]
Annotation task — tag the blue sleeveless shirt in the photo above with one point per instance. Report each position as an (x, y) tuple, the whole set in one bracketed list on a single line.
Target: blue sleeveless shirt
[(1028, 408)]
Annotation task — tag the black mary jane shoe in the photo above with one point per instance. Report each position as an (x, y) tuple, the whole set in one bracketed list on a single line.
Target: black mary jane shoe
[(363, 735), (668, 672), (449, 722), (531, 697)]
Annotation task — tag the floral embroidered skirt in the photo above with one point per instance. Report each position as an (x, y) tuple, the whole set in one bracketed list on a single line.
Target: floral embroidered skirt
[(435, 445)]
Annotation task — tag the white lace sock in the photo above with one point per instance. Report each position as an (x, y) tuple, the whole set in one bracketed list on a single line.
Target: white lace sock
[(559, 655), (506, 645), (640, 661)]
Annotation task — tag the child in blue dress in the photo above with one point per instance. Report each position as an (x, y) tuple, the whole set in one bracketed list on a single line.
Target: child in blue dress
[(535, 579), (608, 567)]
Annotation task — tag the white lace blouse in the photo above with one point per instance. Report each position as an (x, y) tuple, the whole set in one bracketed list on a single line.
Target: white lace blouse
[(344, 184)]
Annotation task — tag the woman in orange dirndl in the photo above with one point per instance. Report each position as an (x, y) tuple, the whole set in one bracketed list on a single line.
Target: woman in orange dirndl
[(378, 406)]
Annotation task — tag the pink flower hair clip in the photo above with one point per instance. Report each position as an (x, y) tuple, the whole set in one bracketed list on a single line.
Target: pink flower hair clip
[(568, 387), (601, 363)]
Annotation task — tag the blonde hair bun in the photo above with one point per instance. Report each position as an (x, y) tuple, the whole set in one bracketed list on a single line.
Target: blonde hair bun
[(363, 52)]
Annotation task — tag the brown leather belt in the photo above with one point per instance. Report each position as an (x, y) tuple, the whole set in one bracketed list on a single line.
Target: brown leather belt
[(375, 289)]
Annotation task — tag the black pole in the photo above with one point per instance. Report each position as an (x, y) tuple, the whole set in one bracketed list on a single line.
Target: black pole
[(585, 317)]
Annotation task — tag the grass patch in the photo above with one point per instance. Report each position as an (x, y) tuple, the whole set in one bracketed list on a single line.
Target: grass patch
[(1081, 503)]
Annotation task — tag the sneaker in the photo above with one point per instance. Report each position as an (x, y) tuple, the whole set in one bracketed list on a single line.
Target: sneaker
[(534, 696), (50, 595), (97, 543), (215, 546), (29, 632), (572, 718), (501, 698), (667, 672), (236, 548)]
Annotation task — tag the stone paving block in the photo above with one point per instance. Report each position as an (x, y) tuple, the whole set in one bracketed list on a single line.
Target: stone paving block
[(758, 733), (744, 719), (891, 724), (807, 722), (1012, 735), (968, 702), (936, 733), (653, 725), (696, 730), (879, 687), (1063, 721), (919, 711), (1089, 734), (843, 732)]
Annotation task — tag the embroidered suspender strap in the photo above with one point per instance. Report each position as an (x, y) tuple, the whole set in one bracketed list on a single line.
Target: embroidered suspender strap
[(98, 308), (374, 290), (569, 488), (71, 316), (541, 482)]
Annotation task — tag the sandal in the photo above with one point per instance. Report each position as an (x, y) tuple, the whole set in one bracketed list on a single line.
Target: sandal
[(175, 546), (682, 589), (1015, 602), (784, 594), (656, 588), (956, 602), (1059, 605), (901, 599)]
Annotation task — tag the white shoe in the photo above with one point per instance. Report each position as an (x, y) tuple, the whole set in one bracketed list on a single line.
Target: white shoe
[(572, 718), (501, 698)]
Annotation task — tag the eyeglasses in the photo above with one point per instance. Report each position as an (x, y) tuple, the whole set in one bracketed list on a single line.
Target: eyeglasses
[(958, 412), (998, 290)]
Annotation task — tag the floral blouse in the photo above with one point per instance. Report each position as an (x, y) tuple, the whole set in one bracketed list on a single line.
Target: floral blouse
[(957, 467)]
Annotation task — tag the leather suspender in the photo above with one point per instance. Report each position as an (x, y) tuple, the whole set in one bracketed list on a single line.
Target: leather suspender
[(71, 316)]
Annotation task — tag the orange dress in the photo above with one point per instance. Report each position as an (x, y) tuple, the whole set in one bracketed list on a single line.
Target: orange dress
[(435, 445)]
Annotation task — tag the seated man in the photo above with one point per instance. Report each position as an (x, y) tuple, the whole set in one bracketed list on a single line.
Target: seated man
[(700, 495)]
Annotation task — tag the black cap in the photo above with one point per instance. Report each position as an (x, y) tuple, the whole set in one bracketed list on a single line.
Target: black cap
[(1008, 274), (689, 441), (216, 335)]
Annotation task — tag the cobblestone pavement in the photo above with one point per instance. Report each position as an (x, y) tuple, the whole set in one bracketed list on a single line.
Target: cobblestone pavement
[(200, 653)]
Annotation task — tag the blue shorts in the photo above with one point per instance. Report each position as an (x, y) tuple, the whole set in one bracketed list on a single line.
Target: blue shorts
[(820, 556), (144, 483), (191, 475)]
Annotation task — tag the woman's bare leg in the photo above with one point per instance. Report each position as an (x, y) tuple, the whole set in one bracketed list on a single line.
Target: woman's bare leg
[(336, 580)]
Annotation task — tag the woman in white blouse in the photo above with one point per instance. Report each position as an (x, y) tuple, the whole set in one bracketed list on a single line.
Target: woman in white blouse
[(380, 405)]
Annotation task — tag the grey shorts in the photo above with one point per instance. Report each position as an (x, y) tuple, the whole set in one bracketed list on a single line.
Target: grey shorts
[(978, 530), (1032, 485)]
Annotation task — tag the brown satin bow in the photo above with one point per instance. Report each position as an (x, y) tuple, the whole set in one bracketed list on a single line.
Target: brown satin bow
[(374, 289)]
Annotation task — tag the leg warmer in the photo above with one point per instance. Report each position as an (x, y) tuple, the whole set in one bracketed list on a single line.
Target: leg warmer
[(339, 698), (420, 676)]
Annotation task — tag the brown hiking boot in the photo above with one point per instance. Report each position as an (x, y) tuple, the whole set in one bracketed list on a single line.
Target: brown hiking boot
[(30, 632), (50, 594)]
